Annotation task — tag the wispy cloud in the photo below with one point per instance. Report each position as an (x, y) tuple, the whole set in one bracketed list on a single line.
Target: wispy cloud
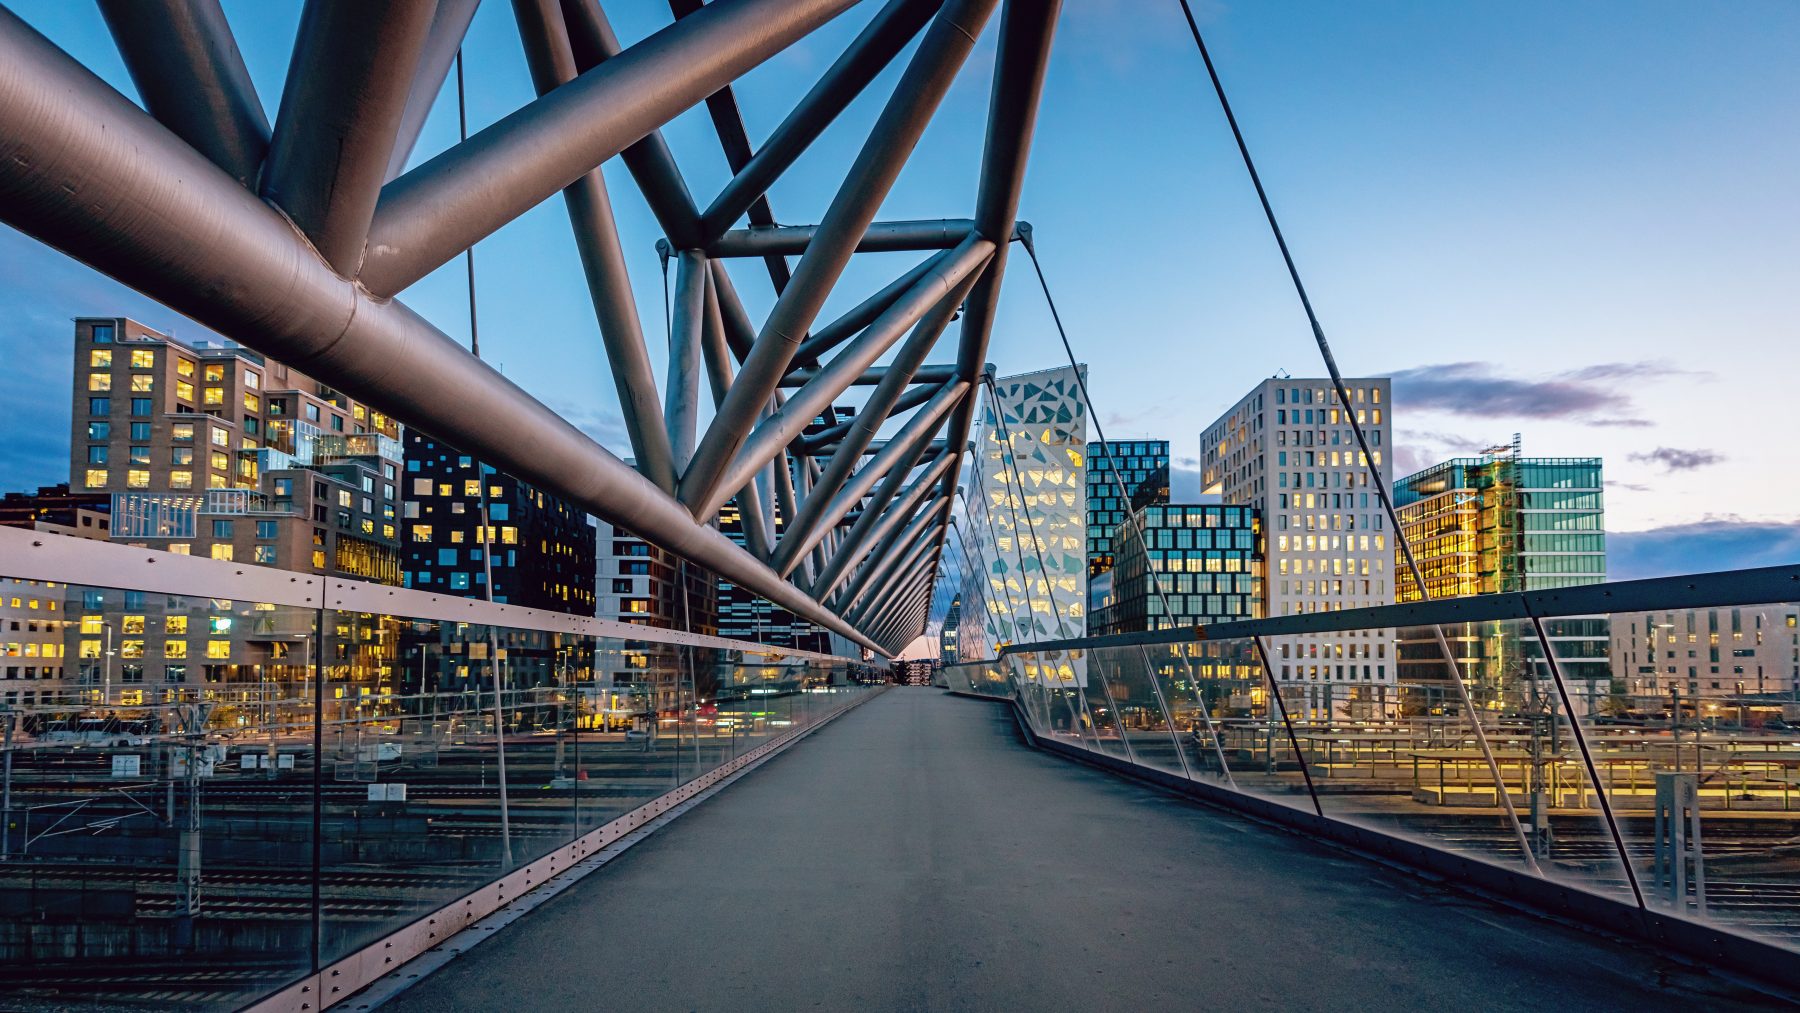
[(1675, 459), (1479, 390)]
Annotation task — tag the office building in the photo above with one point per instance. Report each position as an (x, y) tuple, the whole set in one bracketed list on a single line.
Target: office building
[(1492, 524), (1203, 564), (1707, 660), (1142, 467), (1025, 531), (214, 450), (1287, 449)]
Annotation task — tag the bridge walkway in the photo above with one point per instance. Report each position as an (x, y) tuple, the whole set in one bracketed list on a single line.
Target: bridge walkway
[(914, 855)]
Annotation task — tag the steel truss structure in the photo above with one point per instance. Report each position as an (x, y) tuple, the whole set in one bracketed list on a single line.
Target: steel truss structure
[(296, 237)]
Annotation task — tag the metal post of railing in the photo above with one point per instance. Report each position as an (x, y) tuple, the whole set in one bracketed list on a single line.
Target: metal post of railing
[(318, 782), (1262, 656), (1587, 758)]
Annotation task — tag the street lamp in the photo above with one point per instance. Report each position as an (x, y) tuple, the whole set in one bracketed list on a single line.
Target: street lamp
[(106, 683)]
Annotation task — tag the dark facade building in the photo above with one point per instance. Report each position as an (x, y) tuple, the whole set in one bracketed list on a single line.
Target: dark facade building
[(1143, 466), (56, 508), (543, 548), (1207, 557)]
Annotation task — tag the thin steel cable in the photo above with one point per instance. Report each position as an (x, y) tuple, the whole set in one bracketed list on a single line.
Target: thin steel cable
[(487, 545), (1212, 731), (1362, 440)]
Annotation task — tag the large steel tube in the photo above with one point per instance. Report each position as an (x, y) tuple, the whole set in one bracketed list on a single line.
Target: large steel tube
[(681, 396), (906, 547), (872, 50), (877, 237), (936, 295), (87, 172), (448, 27), (650, 162), (552, 64), (443, 207), (187, 69), (926, 79), (825, 439), (864, 313), (878, 526), (346, 93), (934, 373)]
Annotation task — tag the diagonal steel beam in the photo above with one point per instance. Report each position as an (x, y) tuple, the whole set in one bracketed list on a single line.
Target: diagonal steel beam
[(923, 85), (347, 85), (900, 454), (879, 527), (717, 357), (937, 295), (552, 64), (681, 395), (185, 63), (448, 27), (872, 50), (85, 171), (649, 160), (908, 544), (875, 412), (826, 439), (934, 373), (446, 205), (864, 313)]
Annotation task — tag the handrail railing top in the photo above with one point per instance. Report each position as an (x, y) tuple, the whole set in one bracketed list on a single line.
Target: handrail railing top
[(1727, 588), (82, 562)]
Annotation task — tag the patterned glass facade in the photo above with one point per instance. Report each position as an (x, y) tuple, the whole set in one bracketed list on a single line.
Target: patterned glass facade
[(1208, 560), (1142, 466)]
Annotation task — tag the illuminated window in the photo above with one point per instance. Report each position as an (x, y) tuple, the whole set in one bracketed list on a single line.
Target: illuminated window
[(143, 358), (421, 532), (344, 498), (137, 478), (184, 391), (131, 648), (92, 624), (88, 649), (252, 403), (181, 431), (218, 626), (100, 358), (218, 648), (215, 395), (215, 373), (175, 624), (184, 367), (99, 381), (143, 383), (221, 461), (174, 648), (318, 559), (221, 550), (472, 487), (217, 481)]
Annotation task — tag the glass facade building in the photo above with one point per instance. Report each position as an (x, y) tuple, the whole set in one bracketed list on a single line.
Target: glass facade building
[(1142, 467), (1494, 524), (1207, 559)]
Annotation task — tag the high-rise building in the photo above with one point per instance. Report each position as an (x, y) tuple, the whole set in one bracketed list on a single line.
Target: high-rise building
[(1493, 524), (215, 450), (1288, 450), (1207, 559), (1142, 466), (34, 636), (1025, 538), (641, 584)]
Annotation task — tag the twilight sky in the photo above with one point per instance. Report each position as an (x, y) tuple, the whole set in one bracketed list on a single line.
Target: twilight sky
[(1575, 220)]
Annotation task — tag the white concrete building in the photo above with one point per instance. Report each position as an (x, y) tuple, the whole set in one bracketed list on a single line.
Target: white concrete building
[(1287, 449), (1707, 654)]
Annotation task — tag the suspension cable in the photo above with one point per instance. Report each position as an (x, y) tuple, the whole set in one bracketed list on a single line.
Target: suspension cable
[(1362, 440), (1112, 465)]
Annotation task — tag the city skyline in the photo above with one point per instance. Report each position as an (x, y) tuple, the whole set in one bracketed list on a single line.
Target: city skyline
[(1454, 235)]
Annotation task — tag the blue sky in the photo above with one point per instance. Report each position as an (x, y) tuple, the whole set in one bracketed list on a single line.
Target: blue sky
[(1576, 220)]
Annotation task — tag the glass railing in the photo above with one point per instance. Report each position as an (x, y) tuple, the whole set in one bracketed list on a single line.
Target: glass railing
[(1650, 756), (211, 796)]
